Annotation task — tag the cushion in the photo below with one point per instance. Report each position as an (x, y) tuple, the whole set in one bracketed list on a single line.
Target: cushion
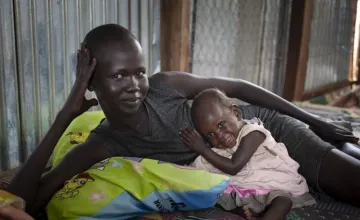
[(77, 132), (121, 188), (129, 187)]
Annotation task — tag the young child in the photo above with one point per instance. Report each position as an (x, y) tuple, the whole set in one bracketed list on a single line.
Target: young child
[(264, 181)]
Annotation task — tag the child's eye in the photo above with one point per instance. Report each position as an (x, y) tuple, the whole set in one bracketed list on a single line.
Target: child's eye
[(210, 135), (221, 124)]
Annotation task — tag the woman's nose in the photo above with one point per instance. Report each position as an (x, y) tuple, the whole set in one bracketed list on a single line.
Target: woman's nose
[(132, 85)]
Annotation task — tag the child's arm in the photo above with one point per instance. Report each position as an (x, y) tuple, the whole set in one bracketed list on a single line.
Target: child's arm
[(246, 149), (278, 209)]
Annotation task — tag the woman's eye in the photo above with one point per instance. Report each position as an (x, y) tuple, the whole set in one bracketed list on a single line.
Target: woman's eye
[(140, 73), (221, 124), (116, 76)]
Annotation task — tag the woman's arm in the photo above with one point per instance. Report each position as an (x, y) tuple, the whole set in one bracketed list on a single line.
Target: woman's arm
[(190, 85), (28, 180), (246, 149), (78, 160)]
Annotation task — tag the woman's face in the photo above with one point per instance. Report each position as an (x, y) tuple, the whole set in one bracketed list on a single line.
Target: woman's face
[(120, 81)]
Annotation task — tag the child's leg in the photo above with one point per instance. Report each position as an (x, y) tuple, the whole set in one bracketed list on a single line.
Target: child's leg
[(278, 209), (244, 212)]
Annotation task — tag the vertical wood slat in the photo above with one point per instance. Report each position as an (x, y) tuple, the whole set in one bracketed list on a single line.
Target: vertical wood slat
[(353, 55), (299, 38), (175, 35), (354, 65)]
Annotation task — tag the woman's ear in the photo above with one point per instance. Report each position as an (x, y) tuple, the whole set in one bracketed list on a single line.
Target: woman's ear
[(236, 110)]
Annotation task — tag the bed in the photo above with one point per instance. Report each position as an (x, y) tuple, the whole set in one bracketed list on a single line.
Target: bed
[(326, 208)]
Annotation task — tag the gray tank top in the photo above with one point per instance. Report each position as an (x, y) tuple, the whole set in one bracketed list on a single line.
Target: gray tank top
[(168, 112)]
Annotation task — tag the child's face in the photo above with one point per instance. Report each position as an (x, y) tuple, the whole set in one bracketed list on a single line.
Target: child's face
[(220, 125), (120, 82)]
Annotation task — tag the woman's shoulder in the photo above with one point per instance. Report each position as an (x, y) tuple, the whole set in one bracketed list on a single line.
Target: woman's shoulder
[(102, 131), (159, 80), (160, 89)]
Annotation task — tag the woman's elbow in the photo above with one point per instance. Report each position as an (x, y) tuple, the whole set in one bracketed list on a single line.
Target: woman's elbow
[(44, 194), (233, 171)]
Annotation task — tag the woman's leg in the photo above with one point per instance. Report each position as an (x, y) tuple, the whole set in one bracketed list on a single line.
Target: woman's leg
[(314, 155), (271, 117), (340, 177), (350, 149)]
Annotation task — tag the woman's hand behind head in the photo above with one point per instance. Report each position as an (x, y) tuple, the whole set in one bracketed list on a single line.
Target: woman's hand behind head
[(76, 103)]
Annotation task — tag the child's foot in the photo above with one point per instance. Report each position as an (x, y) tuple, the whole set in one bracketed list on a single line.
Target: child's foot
[(245, 212), (248, 213), (240, 211)]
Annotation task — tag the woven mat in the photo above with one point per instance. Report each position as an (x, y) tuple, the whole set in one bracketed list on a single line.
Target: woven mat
[(329, 211)]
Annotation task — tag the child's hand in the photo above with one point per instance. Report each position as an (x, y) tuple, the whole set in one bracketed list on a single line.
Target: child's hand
[(193, 139)]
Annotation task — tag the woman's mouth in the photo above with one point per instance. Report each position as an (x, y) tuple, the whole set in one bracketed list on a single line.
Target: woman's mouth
[(132, 101)]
